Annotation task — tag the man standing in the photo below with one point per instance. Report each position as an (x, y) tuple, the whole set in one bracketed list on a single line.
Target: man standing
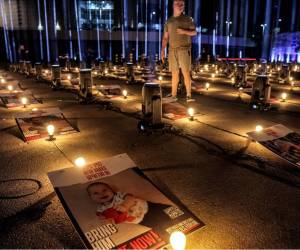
[(178, 31)]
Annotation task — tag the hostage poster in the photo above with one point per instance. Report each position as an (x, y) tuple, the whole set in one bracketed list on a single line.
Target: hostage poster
[(33, 124), (281, 141), (114, 206)]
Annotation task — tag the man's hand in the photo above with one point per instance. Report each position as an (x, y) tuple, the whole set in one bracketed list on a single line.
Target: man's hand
[(162, 56), (181, 32)]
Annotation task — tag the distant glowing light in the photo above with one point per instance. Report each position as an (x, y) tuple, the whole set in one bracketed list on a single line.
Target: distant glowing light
[(283, 97), (207, 85), (191, 113), (259, 128), (2, 80), (10, 88), (51, 130), (24, 101), (178, 240), (80, 162), (40, 27), (69, 77), (125, 93)]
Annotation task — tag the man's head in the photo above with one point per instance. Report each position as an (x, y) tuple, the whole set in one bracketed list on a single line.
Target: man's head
[(178, 6)]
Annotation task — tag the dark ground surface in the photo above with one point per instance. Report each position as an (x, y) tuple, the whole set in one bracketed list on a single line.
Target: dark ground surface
[(243, 204)]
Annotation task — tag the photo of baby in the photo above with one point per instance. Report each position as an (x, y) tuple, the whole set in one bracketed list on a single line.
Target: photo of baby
[(129, 202)]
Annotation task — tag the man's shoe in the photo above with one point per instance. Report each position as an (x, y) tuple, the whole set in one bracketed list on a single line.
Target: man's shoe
[(189, 99)]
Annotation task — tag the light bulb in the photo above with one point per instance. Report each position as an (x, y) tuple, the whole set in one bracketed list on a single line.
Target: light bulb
[(191, 113), (178, 240), (51, 130), (207, 85), (213, 75), (24, 101), (259, 128), (138, 66), (34, 109), (10, 88), (115, 68), (283, 97), (69, 77), (80, 162), (160, 78), (106, 71), (2, 80), (125, 93)]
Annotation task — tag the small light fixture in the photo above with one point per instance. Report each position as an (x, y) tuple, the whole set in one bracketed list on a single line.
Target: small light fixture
[(40, 27), (2, 80), (51, 130), (125, 93), (178, 240), (138, 66), (69, 77), (115, 68), (291, 79), (283, 97), (106, 71), (232, 79), (34, 109), (10, 88), (76, 69), (80, 162), (160, 78), (207, 85), (213, 76), (57, 26), (191, 113), (24, 101), (201, 70), (259, 128)]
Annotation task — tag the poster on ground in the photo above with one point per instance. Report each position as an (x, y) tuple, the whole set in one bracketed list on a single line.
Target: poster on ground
[(281, 141), (33, 124), (173, 110), (110, 91), (113, 205), (14, 100)]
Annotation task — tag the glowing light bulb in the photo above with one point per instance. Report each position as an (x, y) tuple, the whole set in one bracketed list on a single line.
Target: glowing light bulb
[(232, 79), (207, 85), (125, 93), (283, 97), (106, 71), (160, 78), (213, 75), (10, 88), (76, 69), (291, 79), (80, 162), (115, 68), (24, 101), (191, 113), (138, 66), (51, 130), (2, 80), (40, 27), (178, 240), (69, 77), (259, 128), (201, 70), (34, 109)]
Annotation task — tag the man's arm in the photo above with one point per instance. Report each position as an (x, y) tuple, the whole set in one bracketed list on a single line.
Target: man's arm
[(165, 41)]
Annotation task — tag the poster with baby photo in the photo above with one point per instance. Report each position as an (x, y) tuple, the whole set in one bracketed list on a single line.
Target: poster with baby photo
[(33, 124), (113, 205), (281, 141)]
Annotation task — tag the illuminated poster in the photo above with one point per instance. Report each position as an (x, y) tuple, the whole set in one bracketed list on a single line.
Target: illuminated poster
[(15, 100), (113, 205), (281, 141), (109, 91), (33, 124), (173, 110)]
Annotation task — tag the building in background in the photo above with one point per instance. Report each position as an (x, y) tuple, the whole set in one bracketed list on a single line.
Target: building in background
[(226, 28)]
